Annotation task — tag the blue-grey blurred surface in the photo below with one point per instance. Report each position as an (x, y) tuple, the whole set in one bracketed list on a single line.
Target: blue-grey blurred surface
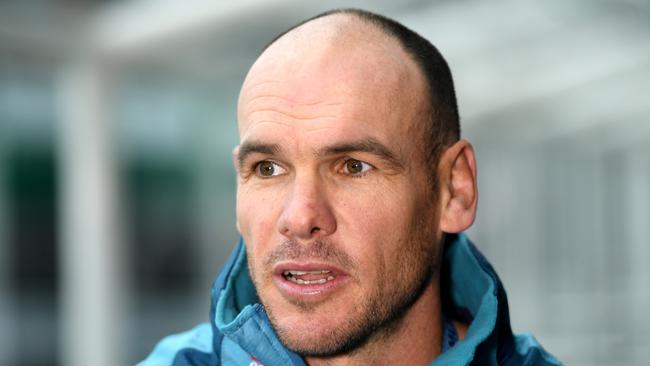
[(118, 118)]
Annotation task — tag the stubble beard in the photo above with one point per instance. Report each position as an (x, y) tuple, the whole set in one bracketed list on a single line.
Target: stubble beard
[(379, 314)]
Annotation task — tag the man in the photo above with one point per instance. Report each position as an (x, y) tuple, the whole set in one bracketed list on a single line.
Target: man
[(354, 188)]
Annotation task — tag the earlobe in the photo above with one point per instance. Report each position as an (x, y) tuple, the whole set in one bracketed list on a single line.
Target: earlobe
[(459, 194)]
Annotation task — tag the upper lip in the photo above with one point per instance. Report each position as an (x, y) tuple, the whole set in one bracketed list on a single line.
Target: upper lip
[(280, 267)]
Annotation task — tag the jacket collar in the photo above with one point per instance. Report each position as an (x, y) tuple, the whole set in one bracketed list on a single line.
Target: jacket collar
[(471, 290)]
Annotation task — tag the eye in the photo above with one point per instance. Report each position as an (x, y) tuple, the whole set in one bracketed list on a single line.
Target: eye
[(268, 169), (356, 167)]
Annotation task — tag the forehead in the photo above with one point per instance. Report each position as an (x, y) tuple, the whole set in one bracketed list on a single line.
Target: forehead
[(334, 77)]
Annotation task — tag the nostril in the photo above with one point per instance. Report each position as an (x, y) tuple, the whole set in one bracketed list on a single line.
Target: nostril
[(315, 229)]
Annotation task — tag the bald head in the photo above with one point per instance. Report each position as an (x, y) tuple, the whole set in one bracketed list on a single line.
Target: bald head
[(336, 32), (356, 44), (332, 57)]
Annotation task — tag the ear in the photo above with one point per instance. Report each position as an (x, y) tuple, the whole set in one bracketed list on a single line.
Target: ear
[(458, 190)]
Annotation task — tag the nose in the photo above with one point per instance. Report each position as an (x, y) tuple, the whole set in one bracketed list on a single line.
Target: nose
[(307, 213)]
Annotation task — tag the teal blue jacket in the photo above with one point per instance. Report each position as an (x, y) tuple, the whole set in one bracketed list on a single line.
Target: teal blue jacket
[(239, 332)]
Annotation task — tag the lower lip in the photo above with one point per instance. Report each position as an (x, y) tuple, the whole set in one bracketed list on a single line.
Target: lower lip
[(309, 293)]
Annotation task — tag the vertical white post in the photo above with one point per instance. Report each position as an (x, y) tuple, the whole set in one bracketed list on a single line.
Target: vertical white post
[(91, 302), (638, 234)]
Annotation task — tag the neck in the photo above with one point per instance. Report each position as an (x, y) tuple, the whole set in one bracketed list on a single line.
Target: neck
[(415, 340)]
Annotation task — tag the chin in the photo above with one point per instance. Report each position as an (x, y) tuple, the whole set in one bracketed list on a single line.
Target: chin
[(315, 331), (307, 329), (312, 337)]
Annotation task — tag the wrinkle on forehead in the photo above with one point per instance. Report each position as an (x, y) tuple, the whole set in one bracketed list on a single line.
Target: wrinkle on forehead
[(293, 116), (271, 96), (262, 109)]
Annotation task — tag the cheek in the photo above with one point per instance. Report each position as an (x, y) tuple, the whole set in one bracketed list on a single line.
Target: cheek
[(257, 214), (376, 223), (376, 210)]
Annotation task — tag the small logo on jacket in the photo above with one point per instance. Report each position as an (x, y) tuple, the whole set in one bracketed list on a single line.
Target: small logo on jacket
[(255, 362)]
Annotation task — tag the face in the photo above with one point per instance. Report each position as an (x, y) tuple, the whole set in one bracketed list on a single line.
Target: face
[(334, 201)]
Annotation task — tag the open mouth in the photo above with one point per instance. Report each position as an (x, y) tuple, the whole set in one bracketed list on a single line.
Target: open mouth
[(309, 281), (316, 277)]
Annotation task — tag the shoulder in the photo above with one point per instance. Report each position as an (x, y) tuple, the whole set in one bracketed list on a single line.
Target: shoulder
[(184, 348)]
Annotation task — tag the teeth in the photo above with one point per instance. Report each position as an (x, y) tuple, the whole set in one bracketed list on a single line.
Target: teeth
[(300, 273), (291, 276), (314, 282)]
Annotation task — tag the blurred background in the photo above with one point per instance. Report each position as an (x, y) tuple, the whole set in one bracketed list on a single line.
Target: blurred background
[(117, 120)]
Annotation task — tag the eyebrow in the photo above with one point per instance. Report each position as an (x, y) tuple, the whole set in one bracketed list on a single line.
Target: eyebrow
[(367, 145), (248, 148)]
